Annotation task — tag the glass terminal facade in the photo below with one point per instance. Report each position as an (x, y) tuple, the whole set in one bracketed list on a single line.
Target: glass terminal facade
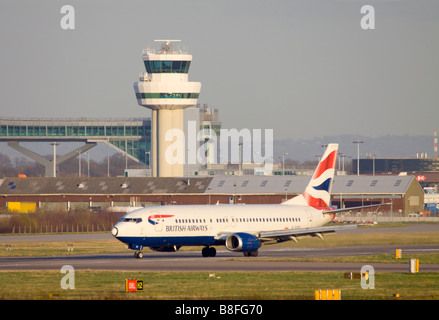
[(131, 136)]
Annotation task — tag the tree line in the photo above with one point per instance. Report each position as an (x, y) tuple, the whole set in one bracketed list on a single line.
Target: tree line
[(58, 222)]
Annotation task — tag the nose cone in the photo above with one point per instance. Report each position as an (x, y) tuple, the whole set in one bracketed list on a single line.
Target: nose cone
[(114, 231)]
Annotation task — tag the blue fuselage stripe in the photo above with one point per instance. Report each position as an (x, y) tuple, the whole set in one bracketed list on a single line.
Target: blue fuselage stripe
[(170, 241)]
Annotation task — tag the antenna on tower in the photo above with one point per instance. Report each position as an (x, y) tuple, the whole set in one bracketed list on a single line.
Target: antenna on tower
[(166, 45), (435, 143)]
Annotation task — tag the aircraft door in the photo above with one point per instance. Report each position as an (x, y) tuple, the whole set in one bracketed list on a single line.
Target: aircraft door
[(157, 221), (159, 224), (309, 218)]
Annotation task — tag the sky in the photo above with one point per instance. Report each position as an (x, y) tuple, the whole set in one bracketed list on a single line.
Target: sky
[(304, 68)]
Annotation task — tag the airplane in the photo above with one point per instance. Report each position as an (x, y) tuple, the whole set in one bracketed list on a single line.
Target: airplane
[(241, 228)]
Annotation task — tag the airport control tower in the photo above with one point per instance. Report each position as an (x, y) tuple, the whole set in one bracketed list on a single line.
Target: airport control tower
[(165, 89)]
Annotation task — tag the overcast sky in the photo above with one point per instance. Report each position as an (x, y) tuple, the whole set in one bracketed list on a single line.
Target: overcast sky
[(303, 68)]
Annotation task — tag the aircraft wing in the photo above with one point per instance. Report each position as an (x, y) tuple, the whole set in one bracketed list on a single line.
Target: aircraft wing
[(291, 234)]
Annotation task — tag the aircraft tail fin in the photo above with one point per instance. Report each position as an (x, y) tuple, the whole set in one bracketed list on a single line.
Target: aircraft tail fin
[(317, 194)]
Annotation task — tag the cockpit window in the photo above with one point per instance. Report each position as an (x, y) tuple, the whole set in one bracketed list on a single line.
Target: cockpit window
[(135, 220)]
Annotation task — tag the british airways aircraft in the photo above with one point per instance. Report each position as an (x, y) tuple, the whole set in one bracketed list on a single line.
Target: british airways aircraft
[(241, 228)]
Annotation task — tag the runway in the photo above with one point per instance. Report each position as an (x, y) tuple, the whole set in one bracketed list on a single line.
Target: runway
[(225, 261)]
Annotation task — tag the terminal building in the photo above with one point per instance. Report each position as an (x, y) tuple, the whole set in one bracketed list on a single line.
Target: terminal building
[(128, 136), (425, 169), (401, 194), (396, 165)]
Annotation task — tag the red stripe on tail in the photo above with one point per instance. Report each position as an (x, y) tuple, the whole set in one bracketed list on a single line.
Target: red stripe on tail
[(328, 163)]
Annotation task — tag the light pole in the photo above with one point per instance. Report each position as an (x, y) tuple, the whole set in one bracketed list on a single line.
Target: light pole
[(283, 162), (240, 158), (79, 163), (54, 144), (340, 155), (373, 163), (88, 163), (358, 155)]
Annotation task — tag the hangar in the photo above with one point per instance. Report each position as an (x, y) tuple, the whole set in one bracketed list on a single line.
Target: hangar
[(404, 193)]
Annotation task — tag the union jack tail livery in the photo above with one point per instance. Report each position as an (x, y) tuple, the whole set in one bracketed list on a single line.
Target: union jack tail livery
[(318, 192)]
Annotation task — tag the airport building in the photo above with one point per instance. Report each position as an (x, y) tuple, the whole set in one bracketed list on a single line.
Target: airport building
[(425, 169), (396, 165), (403, 194), (128, 136)]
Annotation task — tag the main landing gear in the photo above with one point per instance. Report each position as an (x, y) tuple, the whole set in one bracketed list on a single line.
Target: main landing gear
[(251, 253), (138, 254), (208, 252)]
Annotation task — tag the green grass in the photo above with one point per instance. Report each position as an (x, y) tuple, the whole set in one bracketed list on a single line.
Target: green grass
[(103, 285), (424, 258), (58, 248)]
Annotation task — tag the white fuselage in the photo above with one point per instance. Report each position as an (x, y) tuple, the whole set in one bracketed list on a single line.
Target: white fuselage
[(202, 224)]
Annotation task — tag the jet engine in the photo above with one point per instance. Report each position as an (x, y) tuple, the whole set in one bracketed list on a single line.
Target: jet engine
[(242, 242)]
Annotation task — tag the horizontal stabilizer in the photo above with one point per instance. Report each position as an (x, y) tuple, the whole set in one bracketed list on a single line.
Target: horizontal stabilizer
[(354, 208)]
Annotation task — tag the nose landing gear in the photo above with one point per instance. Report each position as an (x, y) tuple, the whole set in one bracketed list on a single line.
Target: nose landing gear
[(138, 254)]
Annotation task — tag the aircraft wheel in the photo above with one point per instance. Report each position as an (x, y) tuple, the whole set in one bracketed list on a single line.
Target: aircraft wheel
[(138, 255), (212, 252), (251, 253), (208, 252)]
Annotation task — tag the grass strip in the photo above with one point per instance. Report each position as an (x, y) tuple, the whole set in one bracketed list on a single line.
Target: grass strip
[(104, 285)]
